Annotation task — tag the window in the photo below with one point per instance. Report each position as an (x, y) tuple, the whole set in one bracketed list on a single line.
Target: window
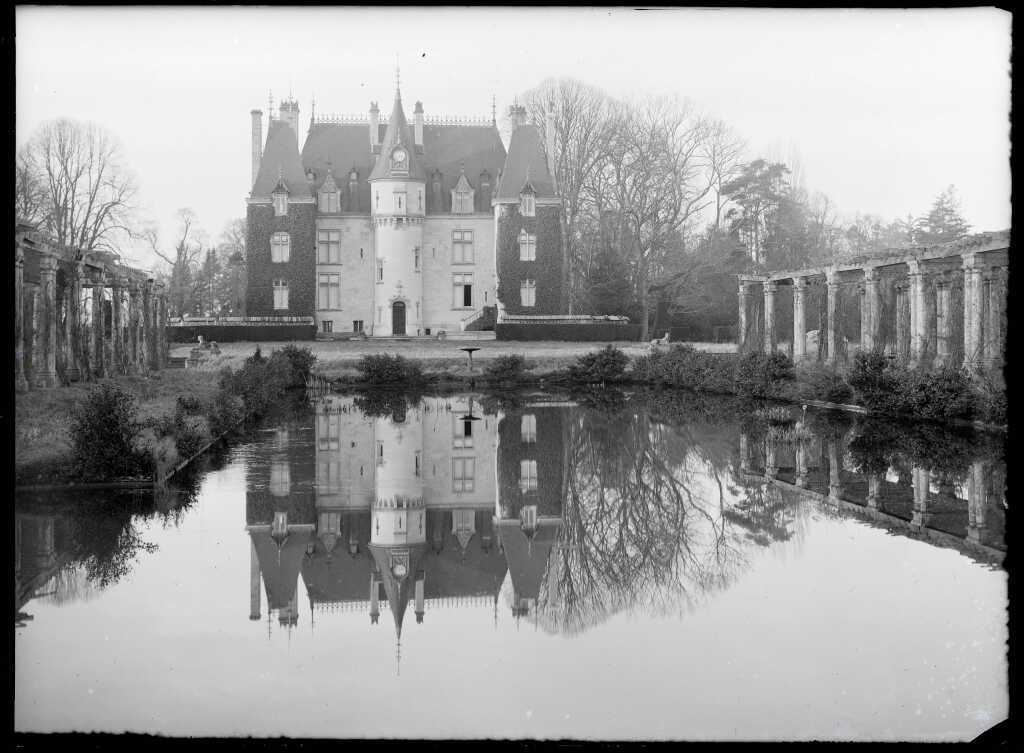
[(527, 246), (327, 326), (527, 205), (463, 291), (420, 194), (329, 292), (280, 247), (280, 294), (528, 293), (528, 475), (357, 326), (328, 245), (329, 201), (380, 453), (399, 201), (280, 204), (529, 428), (380, 270), (416, 259), (463, 474), (462, 247), (462, 202), (280, 478), (328, 432), (463, 433)]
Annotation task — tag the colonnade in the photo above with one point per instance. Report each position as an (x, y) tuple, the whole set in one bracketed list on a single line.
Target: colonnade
[(78, 320), (944, 305)]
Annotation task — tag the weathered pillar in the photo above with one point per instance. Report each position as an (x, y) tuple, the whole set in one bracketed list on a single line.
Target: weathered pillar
[(45, 368), (977, 500), (771, 463), (96, 326), (254, 581), (117, 286), (799, 319), (972, 311), (801, 463), (903, 323), (922, 480), (874, 482), (770, 288), (147, 326), (870, 311), (835, 480), (943, 291), (832, 315), (72, 306), (159, 321), (994, 299), (744, 452), (135, 325), (109, 368), (20, 382), (741, 327), (918, 325)]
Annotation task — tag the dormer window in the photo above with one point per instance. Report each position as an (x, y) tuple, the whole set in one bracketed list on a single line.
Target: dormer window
[(527, 204), (280, 204), (462, 196), (328, 201)]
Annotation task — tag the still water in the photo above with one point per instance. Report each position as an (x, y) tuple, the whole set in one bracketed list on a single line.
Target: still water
[(462, 566)]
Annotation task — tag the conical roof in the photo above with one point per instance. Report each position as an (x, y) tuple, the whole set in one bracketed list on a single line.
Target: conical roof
[(399, 590), (399, 133), (281, 161), (525, 164)]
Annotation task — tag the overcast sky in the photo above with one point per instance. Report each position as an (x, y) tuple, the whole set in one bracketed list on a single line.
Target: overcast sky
[(884, 107)]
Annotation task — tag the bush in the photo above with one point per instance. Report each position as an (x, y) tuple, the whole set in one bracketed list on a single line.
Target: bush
[(103, 427), (227, 412), (506, 368), (990, 398), (301, 360), (945, 393), (389, 369), (605, 365), (684, 367), (775, 416), (822, 382), (876, 381), (759, 374)]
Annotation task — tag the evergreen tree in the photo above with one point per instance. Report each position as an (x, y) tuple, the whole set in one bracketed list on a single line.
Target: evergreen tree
[(944, 222)]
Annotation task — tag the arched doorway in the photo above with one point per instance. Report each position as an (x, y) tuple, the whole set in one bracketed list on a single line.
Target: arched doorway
[(398, 318)]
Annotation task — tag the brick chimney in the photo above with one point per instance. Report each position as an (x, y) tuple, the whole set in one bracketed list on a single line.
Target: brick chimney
[(374, 128), (418, 125), (257, 142)]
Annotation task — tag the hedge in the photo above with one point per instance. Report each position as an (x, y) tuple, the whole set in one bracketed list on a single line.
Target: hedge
[(226, 333), (598, 332)]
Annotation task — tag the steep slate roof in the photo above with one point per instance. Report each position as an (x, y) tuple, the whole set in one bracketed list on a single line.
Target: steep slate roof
[(525, 160), (398, 132), (527, 560), (398, 592), (340, 576), (281, 159), (280, 568)]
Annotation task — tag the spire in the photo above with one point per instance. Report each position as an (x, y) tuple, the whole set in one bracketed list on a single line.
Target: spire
[(398, 654), (312, 113), (398, 78), (270, 104), (494, 110)]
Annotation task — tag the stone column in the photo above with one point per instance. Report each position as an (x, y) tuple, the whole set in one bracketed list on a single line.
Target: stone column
[(147, 326), (801, 463), (977, 500), (918, 325), (870, 311), (771, 463), (159, 322), (20, 382), (741, 327), (45, 368), (902, 323), (770, 287), (835, 480), (117, 286), (132, 339), (799, 319), (922, 480), (943, 290), (874, 482), (73, 293), (96, 355), (832, 315), (744, 452), (993, 318), (254, 581), (972, 311)]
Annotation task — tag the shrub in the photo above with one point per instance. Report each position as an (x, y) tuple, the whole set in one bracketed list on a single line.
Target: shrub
[(945, 393), (877, 382), (103, 426), (506, 368), (758, 374), (775, 416), (256, 357), (160, 451), (990, 397), (389, 369), (605, 365), (227, 412), (301, 360)]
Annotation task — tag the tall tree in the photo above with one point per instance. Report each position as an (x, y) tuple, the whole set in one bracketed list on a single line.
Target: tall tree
[(183, 260), (88, 194), (944, 221), (232, 282)]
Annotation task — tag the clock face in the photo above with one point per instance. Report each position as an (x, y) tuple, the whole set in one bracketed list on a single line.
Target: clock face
[(398, 155), (399, 570)]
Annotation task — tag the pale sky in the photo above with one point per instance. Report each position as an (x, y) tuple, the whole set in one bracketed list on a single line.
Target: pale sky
[(885, 107)]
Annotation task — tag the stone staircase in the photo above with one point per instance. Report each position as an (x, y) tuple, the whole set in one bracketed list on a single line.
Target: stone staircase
[(481, 320)]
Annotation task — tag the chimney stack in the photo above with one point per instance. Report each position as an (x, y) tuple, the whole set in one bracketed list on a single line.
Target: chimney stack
[(549, 132), (257, 142), (517, 115), (374, 128), (290, 115), (418, 125)]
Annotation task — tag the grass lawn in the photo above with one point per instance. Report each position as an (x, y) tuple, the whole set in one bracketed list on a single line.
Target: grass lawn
[(42, 445), (338, 358)]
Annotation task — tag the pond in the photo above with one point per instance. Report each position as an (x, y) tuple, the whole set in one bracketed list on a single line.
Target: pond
[(639, 566)]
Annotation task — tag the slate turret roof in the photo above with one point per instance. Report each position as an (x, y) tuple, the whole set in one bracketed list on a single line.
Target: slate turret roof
[(398, 133), (525, 164), (281, 160)]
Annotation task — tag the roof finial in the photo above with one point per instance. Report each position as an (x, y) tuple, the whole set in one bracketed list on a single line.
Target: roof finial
[(494, 110), (270, 103), (398, 78)]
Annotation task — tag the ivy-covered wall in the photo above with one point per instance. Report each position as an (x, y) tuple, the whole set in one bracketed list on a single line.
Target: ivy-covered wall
[(299, 270), (547, 451), (546, 270)]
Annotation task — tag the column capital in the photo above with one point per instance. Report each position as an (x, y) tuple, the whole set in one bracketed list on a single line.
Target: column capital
[(47, 263), (123, 281), (832, 277), (914, 268), (19, 255), (801, 283), (971, 260), (133, 286), (871, 274), (148, 285), (158, 287), (770, 286)]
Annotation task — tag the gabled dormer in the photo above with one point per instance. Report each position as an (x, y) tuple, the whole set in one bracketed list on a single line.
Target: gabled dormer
[(329, 199), (280, 195), (528, 198), (462, 195)]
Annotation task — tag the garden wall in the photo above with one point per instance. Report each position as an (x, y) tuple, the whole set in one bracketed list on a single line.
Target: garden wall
[(596, 332), (226, 333)]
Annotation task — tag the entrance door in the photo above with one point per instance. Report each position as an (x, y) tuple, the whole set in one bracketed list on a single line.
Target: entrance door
[(398, 318)]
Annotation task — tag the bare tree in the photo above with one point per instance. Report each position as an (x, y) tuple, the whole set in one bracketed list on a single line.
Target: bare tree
[(88, 194), (183, 261), (29, 193)]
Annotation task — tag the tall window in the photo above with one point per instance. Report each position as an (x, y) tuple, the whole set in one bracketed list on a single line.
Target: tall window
[(328, 245), (529, 428), (462, 247), (528, 475), (462, 202), (380, 270), (329, 201), (527, 246), (357, 326), (280, 478), (329, 292), (399, 201), (280, 247), (328, 431), (280, 204), (280, 294), (463, 474), (416, 259), (463, 438), (463, 291), (527, 205), (528, 293)]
